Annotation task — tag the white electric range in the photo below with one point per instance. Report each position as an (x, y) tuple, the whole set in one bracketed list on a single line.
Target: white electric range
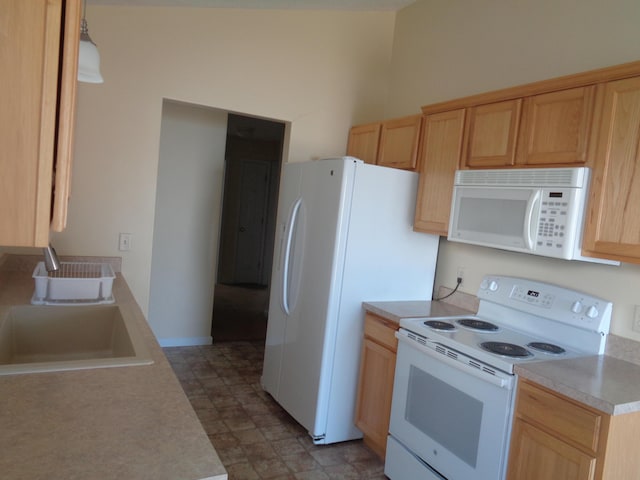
[(454, 385)]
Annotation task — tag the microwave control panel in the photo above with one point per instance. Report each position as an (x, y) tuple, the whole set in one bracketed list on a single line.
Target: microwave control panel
[(556, 217)]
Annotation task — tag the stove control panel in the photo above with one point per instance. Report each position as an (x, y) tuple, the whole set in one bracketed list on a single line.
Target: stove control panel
[(554, 302)]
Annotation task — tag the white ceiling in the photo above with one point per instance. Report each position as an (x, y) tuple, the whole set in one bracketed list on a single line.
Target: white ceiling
[(371, 5)]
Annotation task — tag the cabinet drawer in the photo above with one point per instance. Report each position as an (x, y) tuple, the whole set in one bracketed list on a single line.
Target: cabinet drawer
[(563, 417), (381, 331)]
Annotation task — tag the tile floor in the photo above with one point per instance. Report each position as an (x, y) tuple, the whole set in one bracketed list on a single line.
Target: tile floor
[(254, 437)]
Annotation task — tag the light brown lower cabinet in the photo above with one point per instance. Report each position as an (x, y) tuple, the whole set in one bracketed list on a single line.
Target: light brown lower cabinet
[(375, 386), (555, 437)]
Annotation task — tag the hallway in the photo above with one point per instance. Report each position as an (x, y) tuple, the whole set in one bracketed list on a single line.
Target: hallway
[(239, 313), (254, 437)]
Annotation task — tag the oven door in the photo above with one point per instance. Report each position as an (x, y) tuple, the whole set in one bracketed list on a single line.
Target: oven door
[(449, 414)]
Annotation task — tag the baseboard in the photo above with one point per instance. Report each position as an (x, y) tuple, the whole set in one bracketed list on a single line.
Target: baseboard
[(185, 341)]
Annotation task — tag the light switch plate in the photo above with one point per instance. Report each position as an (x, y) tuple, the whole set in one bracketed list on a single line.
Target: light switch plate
[(124, 243)]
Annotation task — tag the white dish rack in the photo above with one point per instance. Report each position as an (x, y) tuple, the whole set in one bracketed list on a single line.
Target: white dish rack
[(76, 283)]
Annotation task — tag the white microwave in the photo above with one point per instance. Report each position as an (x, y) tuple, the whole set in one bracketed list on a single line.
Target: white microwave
[(539, 210)]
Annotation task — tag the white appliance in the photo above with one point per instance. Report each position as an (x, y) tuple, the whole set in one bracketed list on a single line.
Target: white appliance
[(455, 384), (344, 236), (536, 210)]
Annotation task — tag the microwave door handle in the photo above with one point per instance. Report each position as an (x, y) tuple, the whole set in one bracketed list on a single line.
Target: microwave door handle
[(532, 206)]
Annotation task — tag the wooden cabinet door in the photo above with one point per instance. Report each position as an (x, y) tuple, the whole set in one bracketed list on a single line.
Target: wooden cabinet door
[(613, 224), (66, 114), (556, 126), (490, 134), (399, 140), (364, 141), (375, 384), (375, 391), (31, 134), (439, 160), (29, 64), (536, 455)]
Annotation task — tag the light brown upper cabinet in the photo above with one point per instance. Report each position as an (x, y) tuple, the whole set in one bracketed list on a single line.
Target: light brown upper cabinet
[(613, 223), (555, 127), (590, 118), (392, 143), (39, 65), (399, 140), (439, 160), (490, 134), (363, 142)]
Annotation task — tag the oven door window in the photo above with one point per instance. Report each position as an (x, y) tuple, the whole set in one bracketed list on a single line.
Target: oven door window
[(449, 415), (456, 426)]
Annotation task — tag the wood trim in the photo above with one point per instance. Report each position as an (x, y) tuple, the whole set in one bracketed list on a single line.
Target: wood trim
[(66, 114), (590, 77)]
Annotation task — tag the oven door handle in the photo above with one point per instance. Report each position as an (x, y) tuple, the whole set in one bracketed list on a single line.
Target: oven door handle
[(499, 381)]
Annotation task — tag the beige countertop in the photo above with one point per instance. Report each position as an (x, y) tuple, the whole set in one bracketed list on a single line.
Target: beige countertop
[(599, 381), (104, 423), (394, 311), (604, 382)]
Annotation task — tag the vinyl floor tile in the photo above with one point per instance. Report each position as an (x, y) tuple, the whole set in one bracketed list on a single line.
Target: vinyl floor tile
[(254, 437)]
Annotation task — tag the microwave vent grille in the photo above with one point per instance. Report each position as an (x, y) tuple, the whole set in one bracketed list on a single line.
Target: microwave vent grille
[(530, 177)]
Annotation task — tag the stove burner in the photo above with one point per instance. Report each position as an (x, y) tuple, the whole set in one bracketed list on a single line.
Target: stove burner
[(506, 349), (475, 324), (547, 348), (440, 325)]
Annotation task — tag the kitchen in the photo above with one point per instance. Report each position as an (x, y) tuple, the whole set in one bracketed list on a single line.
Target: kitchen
[(373, 66)]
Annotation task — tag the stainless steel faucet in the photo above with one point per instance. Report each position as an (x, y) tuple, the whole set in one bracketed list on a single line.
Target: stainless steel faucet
[(51, 261)]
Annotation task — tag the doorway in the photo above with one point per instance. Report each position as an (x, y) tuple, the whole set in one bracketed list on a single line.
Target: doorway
[(253, 159)]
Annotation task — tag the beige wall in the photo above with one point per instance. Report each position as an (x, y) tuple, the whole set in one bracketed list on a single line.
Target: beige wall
[(320, 71), (448, 49), (188, 208)]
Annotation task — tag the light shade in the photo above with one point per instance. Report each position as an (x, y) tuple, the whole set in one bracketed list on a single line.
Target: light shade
[(89, 63), (88, 56)]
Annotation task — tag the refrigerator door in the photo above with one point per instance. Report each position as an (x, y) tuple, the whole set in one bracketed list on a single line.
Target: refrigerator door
[(345, 236), (384, 260), (312, 227), (289, 197)]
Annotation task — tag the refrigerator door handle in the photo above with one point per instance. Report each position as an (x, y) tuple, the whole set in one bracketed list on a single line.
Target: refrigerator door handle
[(293, 222)]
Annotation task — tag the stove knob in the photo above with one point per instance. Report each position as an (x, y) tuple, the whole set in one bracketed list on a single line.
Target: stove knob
[(592, 312), (493, 285), (576, 307)]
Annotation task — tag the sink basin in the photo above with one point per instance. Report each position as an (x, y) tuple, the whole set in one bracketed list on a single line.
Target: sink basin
[(54, 338)]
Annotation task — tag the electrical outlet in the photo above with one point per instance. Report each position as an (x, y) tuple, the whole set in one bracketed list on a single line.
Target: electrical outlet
[(636, 319), (460, 275), (124, 242)]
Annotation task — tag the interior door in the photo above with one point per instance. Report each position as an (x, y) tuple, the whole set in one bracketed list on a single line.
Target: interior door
[(252, 215)]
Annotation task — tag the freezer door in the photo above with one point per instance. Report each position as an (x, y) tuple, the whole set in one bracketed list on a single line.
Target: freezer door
[(312, 229), (289, 197)]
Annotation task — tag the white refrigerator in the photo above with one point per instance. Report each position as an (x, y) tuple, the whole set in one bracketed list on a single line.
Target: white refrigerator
[(344, 236)]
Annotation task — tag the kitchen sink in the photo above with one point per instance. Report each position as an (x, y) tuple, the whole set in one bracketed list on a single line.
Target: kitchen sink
[(54, 338)]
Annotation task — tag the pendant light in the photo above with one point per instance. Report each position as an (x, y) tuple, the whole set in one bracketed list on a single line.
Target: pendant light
[(88, 56)]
